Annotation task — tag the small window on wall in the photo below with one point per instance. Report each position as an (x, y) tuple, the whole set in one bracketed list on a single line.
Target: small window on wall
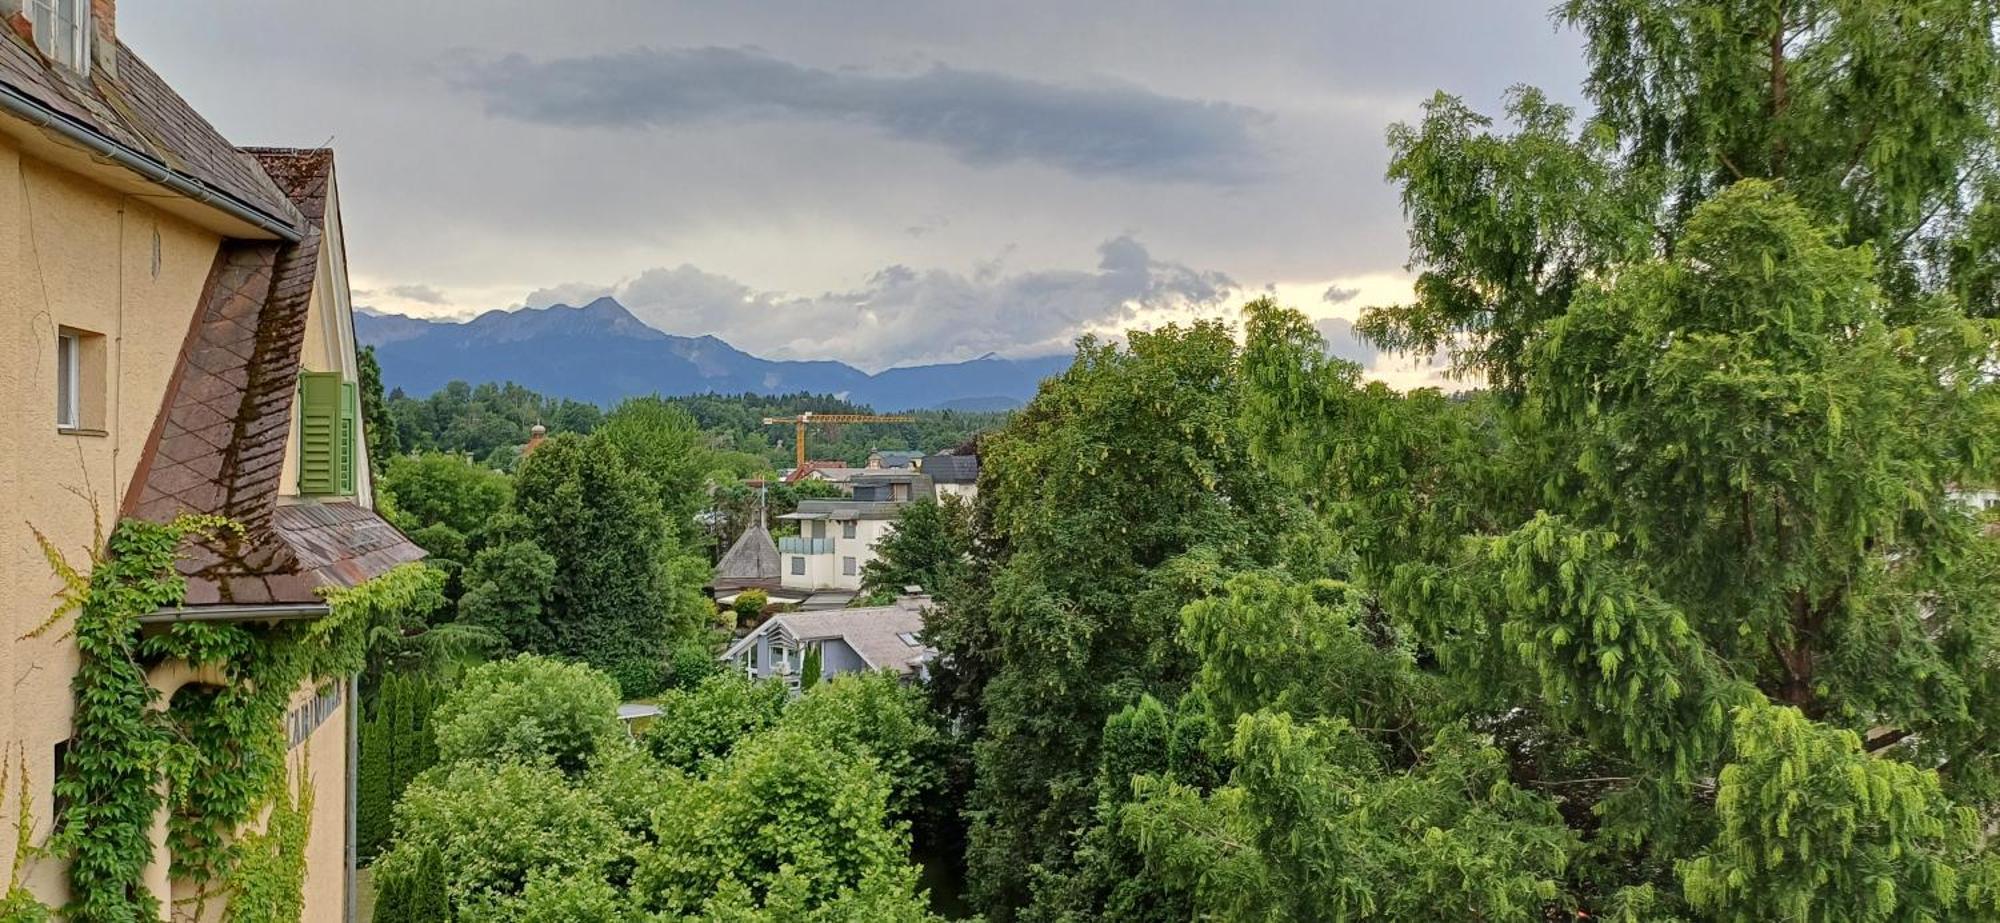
[(847, 567), (798, 566), (80, 358), (847, 529), (60, 29), (69, 368)]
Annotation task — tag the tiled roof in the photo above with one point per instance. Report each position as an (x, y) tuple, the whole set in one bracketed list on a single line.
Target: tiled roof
[(218, 446), (951, 469), (138, 111), (342, 544)]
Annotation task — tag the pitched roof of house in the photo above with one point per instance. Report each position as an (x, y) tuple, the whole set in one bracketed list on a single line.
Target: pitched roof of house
[(218, 445), (751, 562), (897, 459), (137, 111), (830, 470), (951, 469), (876, 633)]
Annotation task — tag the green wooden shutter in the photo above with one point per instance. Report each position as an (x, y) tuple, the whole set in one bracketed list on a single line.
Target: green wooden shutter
[(319, 432), (350, 427)]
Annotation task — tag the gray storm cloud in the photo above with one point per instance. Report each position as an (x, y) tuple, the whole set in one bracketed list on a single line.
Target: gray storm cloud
[(979, 117)]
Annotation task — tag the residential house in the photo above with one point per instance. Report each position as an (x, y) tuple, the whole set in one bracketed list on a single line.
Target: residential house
[(178, 337), (892, 459), (847, 641), (954, 475), (833, 472), (837, 537)]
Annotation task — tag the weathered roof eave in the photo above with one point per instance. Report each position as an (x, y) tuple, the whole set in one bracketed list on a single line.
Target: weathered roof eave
[(19, 105), (272, 612)]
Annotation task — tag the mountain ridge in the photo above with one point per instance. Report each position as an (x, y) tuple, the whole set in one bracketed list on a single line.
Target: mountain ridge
[(602, 353)]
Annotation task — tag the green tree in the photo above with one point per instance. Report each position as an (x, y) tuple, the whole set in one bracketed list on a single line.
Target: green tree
[(783, 809), (495, 826), (440, 489), (373, 802), (446, 504), (378, 429), (876, 715), (1744, 452), (661, 441), (1879, 117), (749, 605), (1311, 828), (1124, 490), (413, 889), (701, 724), (508, 591), (930, 548), (610, 601), (531, 710)]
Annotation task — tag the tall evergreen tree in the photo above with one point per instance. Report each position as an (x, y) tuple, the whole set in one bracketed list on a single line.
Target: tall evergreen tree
[(601, 523)]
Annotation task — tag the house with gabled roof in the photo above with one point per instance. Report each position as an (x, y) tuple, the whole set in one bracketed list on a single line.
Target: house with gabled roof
[(178, 338), (844, 640)]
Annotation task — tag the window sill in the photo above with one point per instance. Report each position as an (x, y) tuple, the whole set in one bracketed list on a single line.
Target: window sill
[(80, 431)]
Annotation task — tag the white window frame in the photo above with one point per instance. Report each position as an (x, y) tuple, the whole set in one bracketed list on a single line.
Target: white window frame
[(69, 389), (798, 566), (847, 528), (72, 50), (849, 566)]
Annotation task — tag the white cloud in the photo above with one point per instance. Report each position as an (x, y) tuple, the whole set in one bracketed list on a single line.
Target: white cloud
[(901, 316)]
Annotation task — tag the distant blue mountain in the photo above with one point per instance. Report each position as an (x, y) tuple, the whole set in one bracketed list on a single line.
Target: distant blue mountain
[(602, 354)]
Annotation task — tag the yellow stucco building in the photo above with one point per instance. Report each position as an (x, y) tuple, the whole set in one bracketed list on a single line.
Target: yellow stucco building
[(175, 336)]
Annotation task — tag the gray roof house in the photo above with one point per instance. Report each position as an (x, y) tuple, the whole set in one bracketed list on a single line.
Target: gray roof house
[(848, 641), (951, 469)]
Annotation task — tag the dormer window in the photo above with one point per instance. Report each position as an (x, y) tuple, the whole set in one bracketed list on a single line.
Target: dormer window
[(61, 30)]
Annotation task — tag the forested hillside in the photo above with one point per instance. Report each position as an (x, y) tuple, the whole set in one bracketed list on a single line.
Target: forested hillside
[(490, 422)]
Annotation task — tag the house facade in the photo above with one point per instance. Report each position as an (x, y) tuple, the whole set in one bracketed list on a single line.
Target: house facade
[(175, 337), (954, 475), (844, 640), (837, 537)]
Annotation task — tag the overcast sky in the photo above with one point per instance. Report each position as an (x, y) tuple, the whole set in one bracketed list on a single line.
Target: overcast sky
[(877, 182)]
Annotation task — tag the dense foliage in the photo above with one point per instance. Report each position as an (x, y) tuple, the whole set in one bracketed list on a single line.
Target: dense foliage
[(396, 743), (743, 805), (1678, 616), (1680, 620)]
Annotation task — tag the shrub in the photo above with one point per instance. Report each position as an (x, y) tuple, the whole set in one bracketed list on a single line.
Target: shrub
[(533, 710)]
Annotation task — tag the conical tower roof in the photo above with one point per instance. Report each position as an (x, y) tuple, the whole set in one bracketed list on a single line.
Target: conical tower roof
[(752, 561)]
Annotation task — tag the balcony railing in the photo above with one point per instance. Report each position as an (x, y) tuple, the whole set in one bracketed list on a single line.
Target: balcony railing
[(795, 544)]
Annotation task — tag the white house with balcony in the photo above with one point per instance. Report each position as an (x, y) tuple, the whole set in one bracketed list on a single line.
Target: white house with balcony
[(837, 537)]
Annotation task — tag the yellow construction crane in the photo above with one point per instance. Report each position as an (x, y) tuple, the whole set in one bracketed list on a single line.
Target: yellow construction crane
[(802, 420)]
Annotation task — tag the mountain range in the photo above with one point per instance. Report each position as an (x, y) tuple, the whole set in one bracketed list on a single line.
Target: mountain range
[(603, 354)]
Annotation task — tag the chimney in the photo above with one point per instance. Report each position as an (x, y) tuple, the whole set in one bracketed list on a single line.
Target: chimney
[(104, 37)]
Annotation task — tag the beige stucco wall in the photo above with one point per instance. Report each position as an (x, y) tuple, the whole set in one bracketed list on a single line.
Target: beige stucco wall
[(324, 756), (72, 254)]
